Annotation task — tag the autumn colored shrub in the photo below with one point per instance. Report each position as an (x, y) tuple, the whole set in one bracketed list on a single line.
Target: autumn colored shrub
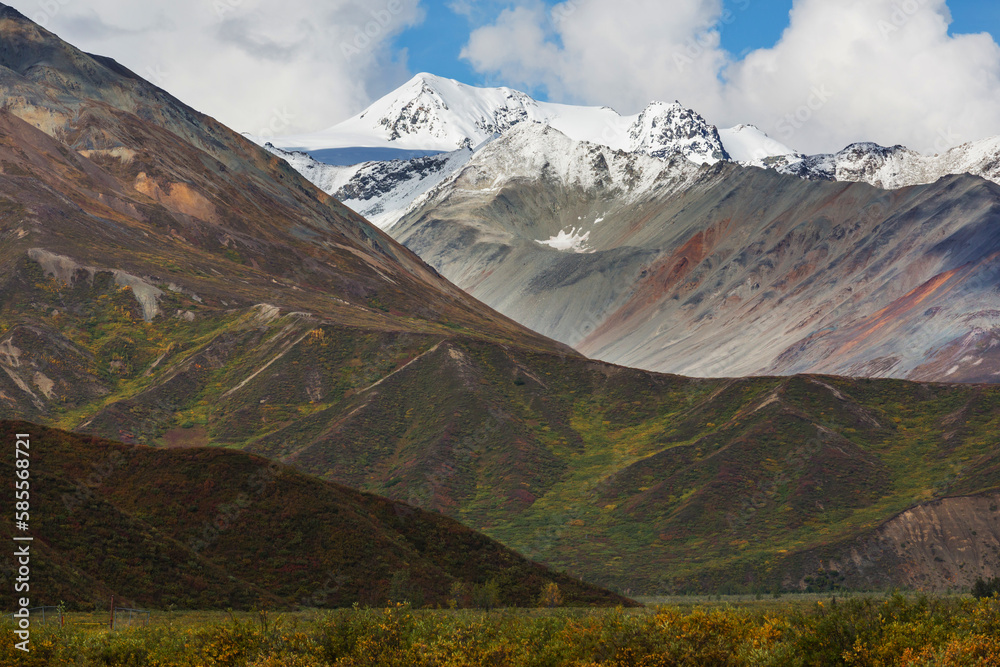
[(886, 631)]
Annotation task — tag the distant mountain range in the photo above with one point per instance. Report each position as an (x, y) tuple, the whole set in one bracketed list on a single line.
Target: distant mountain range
[(660, 242), (431, 115)]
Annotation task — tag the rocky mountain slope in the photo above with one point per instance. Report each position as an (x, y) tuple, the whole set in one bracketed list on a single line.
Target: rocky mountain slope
[(720, 270), (943, 544), (212, 528), (103, 172)]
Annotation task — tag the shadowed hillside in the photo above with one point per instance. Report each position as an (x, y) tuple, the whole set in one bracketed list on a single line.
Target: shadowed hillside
[(211, 528)]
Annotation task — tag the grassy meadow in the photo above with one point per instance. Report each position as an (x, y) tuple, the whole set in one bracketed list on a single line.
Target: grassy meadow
[(873, 631)]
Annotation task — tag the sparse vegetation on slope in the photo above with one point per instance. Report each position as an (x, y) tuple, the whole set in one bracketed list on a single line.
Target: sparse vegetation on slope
[(214, 528), (642, 481)]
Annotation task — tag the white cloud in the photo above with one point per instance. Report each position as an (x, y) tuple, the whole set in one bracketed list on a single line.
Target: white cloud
[(257, 66), (623, 54), (893, 73), (843, 71)]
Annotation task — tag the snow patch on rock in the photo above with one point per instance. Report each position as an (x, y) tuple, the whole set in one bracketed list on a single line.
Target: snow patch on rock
[(572, 240)]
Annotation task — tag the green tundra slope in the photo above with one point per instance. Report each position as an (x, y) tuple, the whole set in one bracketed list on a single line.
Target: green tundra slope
[(643, 481)]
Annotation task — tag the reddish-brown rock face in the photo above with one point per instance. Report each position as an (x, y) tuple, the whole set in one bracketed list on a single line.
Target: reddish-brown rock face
[(722, 270)]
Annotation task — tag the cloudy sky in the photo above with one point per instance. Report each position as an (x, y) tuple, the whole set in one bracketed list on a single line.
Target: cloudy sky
[(816, 74)]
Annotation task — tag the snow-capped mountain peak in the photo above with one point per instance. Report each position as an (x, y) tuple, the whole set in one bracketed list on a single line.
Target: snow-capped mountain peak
[(663, 129), (423, 113), (423, 134), (433, 113)]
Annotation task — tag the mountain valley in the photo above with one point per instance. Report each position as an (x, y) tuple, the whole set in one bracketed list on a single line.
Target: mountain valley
[(167, 284)]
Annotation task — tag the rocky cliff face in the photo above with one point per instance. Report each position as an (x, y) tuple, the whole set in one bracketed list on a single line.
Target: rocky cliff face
[(944, 545)]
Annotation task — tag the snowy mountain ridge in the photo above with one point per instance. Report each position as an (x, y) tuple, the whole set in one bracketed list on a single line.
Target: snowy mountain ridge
[(384, 191), (533, 150), (431, 113), (898, 167), (419, 136), (381, 191)]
